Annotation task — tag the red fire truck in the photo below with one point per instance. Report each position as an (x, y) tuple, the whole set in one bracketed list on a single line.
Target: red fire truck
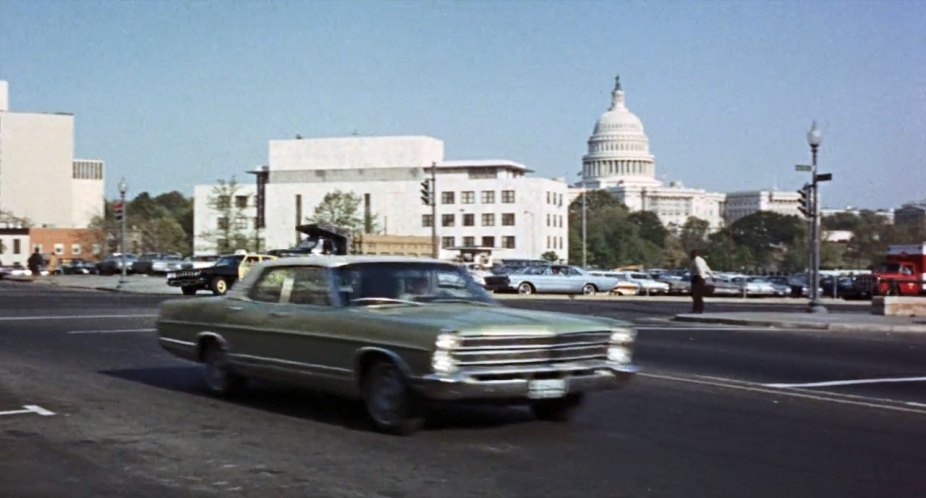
[(903, 272)]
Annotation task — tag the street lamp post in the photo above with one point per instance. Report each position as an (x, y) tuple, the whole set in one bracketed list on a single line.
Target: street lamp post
[(584, 222), (123, 188), (814, 138)]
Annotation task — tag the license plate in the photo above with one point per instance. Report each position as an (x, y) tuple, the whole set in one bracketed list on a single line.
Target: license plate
[(546, 388)]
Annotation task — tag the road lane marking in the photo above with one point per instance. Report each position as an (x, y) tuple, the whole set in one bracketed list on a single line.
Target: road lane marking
[(69, 317), (110, 331), (29, 409), (849, 382), (884, 404)]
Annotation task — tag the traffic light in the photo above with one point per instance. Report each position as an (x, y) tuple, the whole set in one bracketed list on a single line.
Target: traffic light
[(119, 210), (805, 202), (427, 196)]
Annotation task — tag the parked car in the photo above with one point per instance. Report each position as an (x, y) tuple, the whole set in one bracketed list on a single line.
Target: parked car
[(766, 287), (219, 277), (395, 332), (648, 285), (553, 279), (151, 263), (197, 262), (76, 267), (624, 286), (166, 263), (112, 264)]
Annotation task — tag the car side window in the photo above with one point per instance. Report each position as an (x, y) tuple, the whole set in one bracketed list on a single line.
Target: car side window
[(310, 286), (272, 285)]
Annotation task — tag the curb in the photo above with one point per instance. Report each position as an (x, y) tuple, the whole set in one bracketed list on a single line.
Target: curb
[(835, 327)]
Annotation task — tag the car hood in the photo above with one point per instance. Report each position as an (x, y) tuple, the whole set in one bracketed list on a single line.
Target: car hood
[(474, 319)]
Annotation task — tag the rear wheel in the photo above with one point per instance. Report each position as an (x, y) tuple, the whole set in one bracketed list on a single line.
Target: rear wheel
[(589, 290), (558, 410), (389, 402), (188, 291), (217, 373), (219, 286), (525, 288)]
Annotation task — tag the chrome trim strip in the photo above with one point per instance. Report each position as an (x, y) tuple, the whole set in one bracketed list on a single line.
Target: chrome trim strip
[(177, 341), (310, 366), (501, 350), (514, 361)]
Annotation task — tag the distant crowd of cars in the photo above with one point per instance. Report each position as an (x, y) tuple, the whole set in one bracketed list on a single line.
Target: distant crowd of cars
[(538, 276)]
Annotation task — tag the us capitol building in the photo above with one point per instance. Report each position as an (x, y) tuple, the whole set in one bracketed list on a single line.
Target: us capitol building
[(619, 161)]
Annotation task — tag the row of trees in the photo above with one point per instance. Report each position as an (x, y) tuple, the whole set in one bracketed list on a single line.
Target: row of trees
[(154, 224), (761, 242)]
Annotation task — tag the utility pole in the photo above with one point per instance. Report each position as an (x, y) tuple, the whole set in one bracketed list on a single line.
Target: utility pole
[(123, 188), (435, 248)]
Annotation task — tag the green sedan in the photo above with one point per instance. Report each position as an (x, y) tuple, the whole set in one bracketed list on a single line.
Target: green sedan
[(397, 333)]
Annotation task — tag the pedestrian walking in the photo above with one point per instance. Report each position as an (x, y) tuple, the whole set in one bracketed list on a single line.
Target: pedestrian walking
[(35, 262), (699, 274)]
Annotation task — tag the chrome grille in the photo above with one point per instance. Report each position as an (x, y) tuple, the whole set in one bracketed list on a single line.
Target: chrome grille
[(500, 350)]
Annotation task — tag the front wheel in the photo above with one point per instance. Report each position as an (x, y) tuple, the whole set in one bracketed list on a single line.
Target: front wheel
[(525, 288), (389, 402), (219, 286), (217, 373), (558, 410)]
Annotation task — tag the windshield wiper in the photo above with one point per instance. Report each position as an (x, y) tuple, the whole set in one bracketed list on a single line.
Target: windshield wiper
[(382, 300)]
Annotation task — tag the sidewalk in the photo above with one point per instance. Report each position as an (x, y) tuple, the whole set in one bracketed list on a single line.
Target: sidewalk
[(837, 322), (137, 284)]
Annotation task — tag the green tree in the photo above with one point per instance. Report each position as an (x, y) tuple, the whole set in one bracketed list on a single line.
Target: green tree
[(694, 234), (550, 256), (650, 227), (231, 232), (342, 209), (767, 236)]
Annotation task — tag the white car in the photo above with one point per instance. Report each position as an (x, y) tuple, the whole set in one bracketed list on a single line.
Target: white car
[(624, 286), (648, 285)]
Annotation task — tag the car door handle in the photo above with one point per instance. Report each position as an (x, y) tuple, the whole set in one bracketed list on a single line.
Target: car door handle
[(235, 308)]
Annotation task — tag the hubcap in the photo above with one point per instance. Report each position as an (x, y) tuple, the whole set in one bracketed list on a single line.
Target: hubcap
[(525, 289), (221, 286), (385, 400)]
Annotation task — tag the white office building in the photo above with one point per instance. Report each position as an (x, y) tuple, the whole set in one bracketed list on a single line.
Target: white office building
[(740, 204), (40, 180), (619, 161), (480, 203)]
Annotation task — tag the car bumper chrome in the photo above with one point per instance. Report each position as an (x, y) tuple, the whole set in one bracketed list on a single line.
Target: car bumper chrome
[(514, 383)]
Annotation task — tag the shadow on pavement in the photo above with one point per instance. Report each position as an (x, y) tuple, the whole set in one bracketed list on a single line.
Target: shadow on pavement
[(320, 407)]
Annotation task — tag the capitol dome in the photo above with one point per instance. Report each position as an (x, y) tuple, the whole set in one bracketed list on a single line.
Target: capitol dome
[(618, 150)]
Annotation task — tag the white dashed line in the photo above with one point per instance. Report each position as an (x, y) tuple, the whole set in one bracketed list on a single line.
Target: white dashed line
[(883, 404), (69, 317), (849, 382), (38, 410), (115, 331)]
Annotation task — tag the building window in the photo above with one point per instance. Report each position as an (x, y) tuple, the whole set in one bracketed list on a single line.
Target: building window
[(487, 197), (59, 249), (222, 202), (75, 249), (469, 220), (469, 241), (222, 223), (507, 196), (482, 173), (488, 219), (508, 242), (446, 242), (446, 220), (468, 197), (241, 201), (95, 249), (488, 241), (446, 197), (241, 223), (548, 220), (427, 220), (508, 219), (17, 246), (559, 201), (548, 197)]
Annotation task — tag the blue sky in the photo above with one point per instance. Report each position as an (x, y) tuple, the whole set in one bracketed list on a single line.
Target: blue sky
[(175, 93)]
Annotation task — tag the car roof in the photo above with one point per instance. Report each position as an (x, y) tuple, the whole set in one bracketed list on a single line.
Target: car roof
[(337, 261)]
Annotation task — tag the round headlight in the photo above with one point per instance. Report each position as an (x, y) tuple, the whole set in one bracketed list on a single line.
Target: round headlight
[(623, 336), (619, 354)]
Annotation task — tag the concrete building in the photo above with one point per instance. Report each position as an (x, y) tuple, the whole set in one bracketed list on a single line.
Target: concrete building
[(484, 203), (740, 204), (619, 161), (39, 177)]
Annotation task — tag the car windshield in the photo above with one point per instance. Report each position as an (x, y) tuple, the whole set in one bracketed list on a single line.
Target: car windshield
[(372, 283), (229, 261)]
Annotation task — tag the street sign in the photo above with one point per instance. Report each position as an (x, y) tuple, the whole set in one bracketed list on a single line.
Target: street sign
[(803, 167), (824, 177)]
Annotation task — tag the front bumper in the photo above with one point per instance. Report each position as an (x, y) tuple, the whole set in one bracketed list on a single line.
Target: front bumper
[(187, 282), (513, 383)]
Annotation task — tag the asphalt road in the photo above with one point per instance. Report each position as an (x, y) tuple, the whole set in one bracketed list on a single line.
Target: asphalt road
[(110, 414)]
